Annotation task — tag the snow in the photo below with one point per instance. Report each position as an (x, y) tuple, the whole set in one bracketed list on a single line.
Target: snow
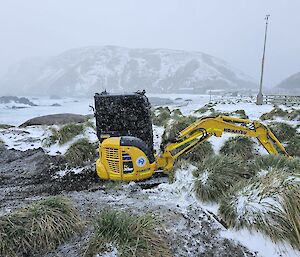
[(180, 193), (33, 137), (113, 253), (261, 244)]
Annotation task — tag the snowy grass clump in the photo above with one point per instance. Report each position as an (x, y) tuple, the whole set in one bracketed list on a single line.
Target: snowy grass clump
[(132, 235), (162, 115), (276, 112), (283, 131), (199, 153), (64, 134), (175, 126), (239, 146), (216, 174), (5, 126), (293, 146), (80, 152), (38, 228), (269, 202)]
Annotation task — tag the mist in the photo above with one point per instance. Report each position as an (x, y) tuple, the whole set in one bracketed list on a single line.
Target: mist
[(231, 30)]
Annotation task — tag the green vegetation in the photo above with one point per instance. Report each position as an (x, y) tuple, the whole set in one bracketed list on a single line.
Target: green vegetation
[(239, 146), (240, 113), (80, 152), (199, 153), (266, 163), (5, 126), (175, 127), (283, 131), (293, 146), (38, 228), (276, 112), (64, 134), (294, 115), (132, 235), (216, 174), (268, 203), (161, 116)]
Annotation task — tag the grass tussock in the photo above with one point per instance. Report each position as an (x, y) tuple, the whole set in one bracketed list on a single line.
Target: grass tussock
[(199, 153), (293, 146), (276, 112), (80, 152), (175, 127), (240, 114), (64, 134), (268, 203), (239, 146), (5, 126), (215, 175), (38, 228), (294, 115), (264, 164), (283, 131), (132, 235), (160, 116)]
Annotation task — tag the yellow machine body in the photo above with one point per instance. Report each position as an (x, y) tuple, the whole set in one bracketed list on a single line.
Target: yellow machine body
[(130, 163), (127, 163)]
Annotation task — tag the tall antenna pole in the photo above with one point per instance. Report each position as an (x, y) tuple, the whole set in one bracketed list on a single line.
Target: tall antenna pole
[(260, 97)]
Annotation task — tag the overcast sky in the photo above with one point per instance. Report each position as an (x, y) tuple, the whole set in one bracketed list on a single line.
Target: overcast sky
[(228, 29)]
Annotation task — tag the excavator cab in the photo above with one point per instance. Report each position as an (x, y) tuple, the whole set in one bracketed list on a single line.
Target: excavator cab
[(124, 130)]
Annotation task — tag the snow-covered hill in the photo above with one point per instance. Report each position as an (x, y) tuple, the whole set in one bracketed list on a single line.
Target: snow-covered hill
[(290, 84), (84, 71)]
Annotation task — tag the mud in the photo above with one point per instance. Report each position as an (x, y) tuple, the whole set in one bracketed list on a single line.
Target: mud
[(32, 174)]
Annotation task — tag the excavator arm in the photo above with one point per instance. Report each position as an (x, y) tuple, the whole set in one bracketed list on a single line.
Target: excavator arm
[(201, 130)]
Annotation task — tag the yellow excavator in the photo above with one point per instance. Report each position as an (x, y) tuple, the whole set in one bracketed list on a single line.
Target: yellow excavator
[(129, 158)]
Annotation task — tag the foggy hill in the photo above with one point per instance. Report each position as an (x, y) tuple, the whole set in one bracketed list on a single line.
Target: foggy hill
[(87, 70), (290, 84)]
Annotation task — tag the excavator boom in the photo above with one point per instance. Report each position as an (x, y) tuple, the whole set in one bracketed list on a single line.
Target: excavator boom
[(201, 130)]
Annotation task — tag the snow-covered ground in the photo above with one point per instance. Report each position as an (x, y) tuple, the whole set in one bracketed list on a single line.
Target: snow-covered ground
[(179, 193)]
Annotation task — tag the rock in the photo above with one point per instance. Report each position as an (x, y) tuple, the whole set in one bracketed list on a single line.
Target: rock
[(15, 99), (55, 119), (55, 104)]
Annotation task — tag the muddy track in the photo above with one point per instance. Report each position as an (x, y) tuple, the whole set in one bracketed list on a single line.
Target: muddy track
[(30, 175)]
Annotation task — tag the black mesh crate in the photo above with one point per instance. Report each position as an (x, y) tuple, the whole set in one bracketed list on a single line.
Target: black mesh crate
[(124, 115)]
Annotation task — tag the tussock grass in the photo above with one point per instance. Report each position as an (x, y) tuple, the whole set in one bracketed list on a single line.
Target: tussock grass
[(38, 228), (240, 113), (283, 131), (264, 164), (80, 152), (276, 112), (293, 146), (132, 235), (199, 153), (239, 146), (175, 127), (269, 202), (64, 134), (5, 126), (216, 174), (161, 116), (294, 114)]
